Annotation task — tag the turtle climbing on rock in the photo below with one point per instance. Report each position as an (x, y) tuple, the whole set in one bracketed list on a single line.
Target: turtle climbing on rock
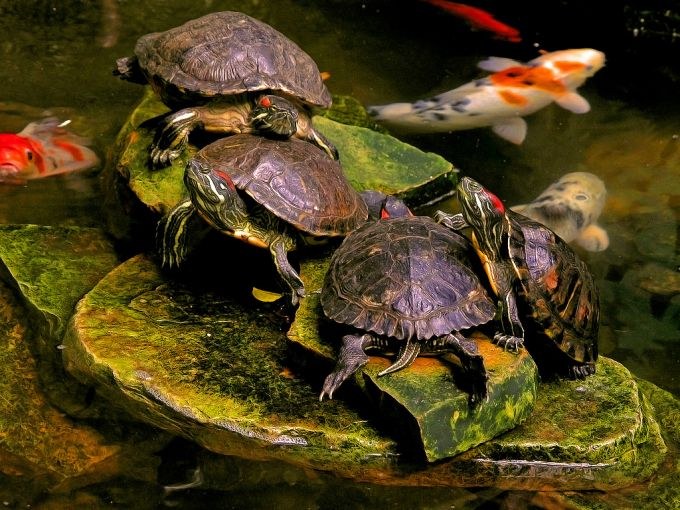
[(405, 285), (269, 193), (227, 73), (541, 284)]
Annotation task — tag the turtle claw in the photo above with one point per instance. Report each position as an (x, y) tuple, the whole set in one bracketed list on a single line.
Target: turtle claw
[(508, 342), (172, 136), (351, 358)]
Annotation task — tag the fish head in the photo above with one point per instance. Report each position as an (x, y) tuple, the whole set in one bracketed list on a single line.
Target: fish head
[(572, 67), (18, 156)]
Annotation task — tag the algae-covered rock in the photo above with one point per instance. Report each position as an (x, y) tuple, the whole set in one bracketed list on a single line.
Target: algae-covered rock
[(197, 363), (51, 268), (136, 195), (45, 270)]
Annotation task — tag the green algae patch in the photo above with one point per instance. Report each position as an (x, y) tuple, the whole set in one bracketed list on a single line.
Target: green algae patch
[(601, 426), (430, 401), (377, 161), (51, 268), (201, 365)]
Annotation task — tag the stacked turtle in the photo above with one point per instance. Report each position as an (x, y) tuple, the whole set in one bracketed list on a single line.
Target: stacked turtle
[(232, 74)]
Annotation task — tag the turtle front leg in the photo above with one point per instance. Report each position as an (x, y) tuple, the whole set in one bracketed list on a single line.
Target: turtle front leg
[(172, 135), (171, 234), (473, 365), (279, 249), (350, 359), (452, 221)]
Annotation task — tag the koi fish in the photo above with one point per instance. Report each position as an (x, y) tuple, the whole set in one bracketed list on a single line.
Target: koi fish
[(478, 19), (42, 149), (570, 207), (501, 99)]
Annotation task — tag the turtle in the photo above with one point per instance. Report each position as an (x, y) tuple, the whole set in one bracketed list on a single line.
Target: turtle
[(405, 284), (541, 284), (227, 72), (263, 191)]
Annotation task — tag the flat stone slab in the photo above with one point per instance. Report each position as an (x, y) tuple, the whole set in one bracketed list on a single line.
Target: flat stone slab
[(371, 160)]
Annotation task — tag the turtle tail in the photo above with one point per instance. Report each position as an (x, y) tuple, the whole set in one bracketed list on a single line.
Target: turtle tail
[(407, 355)]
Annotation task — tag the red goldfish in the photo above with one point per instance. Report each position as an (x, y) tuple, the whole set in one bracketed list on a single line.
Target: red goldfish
[(478, 19), (500, 100), (42, 149)]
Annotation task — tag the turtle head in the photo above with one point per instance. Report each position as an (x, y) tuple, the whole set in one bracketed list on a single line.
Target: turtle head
[(214, 195), (275, 115), (484, 212), (382, 206)]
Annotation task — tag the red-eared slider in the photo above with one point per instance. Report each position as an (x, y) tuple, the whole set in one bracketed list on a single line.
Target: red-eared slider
[(227, 73), (405, 285), (540, 282), (264, 192)]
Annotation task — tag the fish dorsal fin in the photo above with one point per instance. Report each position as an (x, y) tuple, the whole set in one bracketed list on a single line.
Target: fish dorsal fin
[(573, 102), (495, 64), (513, 129)]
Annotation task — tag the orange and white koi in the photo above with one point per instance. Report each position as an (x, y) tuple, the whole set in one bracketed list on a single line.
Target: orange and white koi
[(478, 19), (500, 100), (42, 149)]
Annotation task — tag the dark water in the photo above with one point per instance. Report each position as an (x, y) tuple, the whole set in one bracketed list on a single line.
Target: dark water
[(58, 56)]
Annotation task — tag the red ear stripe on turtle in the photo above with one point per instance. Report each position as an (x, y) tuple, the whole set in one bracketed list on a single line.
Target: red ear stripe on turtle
[(225, 177), (265, 102), (498, 205)]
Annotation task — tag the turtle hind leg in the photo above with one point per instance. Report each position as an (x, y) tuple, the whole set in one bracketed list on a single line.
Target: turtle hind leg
[(407, 355), (323, 143), (350, 359), (472, 363)]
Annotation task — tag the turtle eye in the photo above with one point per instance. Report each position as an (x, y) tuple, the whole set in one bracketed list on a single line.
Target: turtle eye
[(265, 102)]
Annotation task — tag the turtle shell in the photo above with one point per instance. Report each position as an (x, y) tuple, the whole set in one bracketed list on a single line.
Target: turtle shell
[(293, 179), (405, 278), (559, 292), (227, 53)]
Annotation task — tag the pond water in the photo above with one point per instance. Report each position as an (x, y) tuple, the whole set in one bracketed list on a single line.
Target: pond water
[(58, 56)]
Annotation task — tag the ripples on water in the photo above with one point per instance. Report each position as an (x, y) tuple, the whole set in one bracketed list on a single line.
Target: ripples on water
[(59, 55)]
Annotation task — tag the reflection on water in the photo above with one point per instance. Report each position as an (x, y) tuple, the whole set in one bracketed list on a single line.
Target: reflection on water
[(59, 55)]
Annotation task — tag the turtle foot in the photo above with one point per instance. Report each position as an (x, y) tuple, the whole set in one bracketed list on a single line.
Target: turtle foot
[(172, 136), (479, 378), (452, 221), (582, 371), (351, 358), (508, 342)]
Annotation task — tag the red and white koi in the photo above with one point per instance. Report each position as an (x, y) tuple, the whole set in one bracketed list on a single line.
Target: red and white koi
[(42, 149), (500, 100), (478, 19)]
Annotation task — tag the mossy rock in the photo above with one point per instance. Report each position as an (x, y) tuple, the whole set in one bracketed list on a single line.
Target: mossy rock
[(136, 195), (45, 270)]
